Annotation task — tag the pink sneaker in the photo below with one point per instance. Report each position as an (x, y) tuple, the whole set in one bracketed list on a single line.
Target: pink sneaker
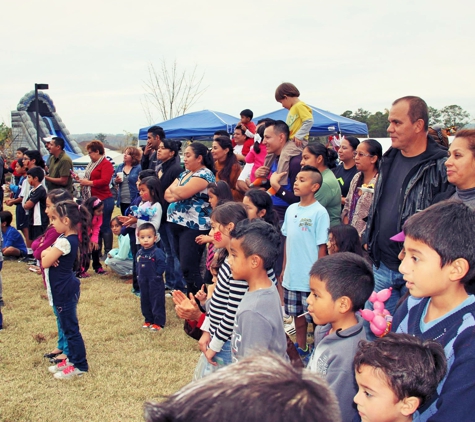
[(69, 372), (101, 271), (61, 366)]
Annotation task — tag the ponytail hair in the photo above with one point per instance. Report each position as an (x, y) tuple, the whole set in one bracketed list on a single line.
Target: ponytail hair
[(174, 146), (80, 219), (229, 212), (329, 155), (375, 149), (59, 195), (259, 136), (92, 204), (353, 141), (222, 191), (200, 150), (262, 201), (154, 186)]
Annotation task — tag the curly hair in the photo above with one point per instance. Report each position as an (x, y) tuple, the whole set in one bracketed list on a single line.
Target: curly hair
[(135, 153)]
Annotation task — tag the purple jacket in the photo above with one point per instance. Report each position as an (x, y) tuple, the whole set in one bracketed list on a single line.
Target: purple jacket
[(44, 241)]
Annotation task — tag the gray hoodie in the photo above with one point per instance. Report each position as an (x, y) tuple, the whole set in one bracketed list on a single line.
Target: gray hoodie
[(332, 359)]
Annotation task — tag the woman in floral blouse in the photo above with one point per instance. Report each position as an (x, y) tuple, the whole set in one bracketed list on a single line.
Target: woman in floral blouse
[(189, 211)]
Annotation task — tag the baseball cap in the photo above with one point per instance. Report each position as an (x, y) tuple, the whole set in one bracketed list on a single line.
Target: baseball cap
[(400, 237)]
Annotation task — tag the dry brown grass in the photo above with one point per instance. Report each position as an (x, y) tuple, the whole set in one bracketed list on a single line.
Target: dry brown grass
[(128, 365)]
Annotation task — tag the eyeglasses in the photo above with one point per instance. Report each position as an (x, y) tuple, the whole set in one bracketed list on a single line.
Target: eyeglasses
[(360, 154)]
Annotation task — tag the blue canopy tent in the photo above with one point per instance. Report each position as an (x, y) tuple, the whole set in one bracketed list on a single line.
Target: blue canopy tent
[(324, 122), (200, 124)]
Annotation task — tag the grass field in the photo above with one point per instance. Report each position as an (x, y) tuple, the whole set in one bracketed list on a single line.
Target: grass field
[(127, 365)]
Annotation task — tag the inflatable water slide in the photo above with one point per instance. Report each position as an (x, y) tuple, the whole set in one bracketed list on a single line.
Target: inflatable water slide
[(24, 125)]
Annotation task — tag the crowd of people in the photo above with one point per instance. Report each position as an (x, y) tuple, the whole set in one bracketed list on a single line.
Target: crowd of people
[(266, 234)]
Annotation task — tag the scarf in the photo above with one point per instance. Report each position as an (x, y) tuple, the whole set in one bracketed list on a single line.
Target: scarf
[(86, 190)]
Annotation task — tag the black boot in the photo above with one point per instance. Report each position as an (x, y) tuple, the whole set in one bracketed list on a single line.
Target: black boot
[(107, 238)]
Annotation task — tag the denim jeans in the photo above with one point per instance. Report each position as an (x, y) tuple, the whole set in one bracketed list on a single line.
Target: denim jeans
[(67, 313), (133, 248), (225, 356), (222, 358), (173, 275), (189, 253), (62, 342), (107, 214), (152, 299), (385, 278)]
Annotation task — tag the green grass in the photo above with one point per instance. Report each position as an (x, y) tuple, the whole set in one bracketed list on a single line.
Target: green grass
[(128, 365)]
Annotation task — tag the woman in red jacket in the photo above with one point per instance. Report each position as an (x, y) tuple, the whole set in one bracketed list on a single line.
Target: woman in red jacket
[(96, 182)]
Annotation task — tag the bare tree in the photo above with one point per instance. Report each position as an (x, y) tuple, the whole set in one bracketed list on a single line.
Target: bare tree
[(170, 90)]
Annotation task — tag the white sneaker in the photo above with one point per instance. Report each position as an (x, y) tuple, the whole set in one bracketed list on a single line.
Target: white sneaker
[(69, 372), (290, 328), (61, 366)]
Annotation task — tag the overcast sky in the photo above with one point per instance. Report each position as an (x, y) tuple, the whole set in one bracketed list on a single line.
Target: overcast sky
[(342, 55)]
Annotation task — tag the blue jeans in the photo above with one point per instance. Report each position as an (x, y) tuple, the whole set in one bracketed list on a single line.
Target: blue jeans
[(222, 358), (173, 275), (385, 278), (152, 299), (69, 322), (62, 342), (107, 214)]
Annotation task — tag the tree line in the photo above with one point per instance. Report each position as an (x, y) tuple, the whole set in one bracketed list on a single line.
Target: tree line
[(452, 116)]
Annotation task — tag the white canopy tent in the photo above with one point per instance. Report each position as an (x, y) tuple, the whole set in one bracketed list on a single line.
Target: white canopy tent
[(83, 161)]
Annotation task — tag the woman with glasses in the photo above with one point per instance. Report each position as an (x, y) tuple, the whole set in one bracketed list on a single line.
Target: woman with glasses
[(360, 194), (346, 170)]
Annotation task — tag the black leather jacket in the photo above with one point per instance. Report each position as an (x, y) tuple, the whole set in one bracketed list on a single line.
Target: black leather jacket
[(423, 182)]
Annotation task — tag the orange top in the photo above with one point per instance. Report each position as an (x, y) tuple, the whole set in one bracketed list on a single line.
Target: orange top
[(235, 172)]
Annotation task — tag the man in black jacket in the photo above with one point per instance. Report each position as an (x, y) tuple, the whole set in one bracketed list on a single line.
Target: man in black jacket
[(155, 135), (411, 173)]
